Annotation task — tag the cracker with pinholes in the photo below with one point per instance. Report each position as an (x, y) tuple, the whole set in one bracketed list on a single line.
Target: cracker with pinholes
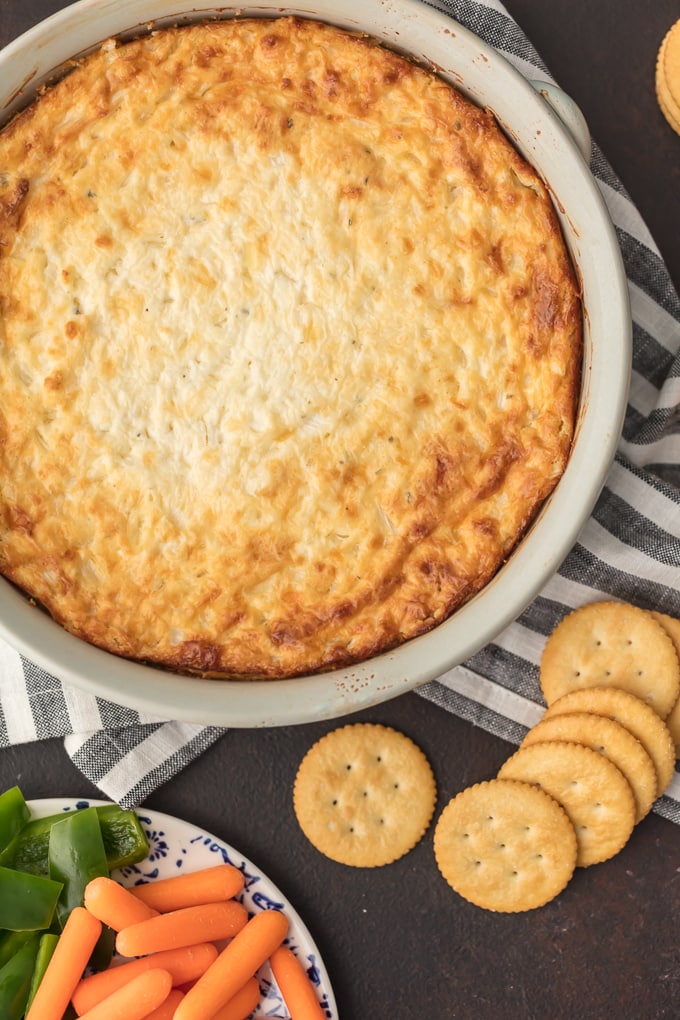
[(505, 846), (638, 718), (667, 76), (672, 627), (609, 738), (591, 789), (364, 795), (612, 644)]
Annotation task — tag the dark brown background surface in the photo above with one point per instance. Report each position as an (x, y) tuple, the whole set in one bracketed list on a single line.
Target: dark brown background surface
[(397, 942)]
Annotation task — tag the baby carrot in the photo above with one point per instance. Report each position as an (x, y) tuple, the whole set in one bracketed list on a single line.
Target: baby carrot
[(237, 962), (242, 1004), (135, 1000), (183, 965), (66, 967), (114, 905), (294, 985), (188, 890), (209, 922), (166, 1010)]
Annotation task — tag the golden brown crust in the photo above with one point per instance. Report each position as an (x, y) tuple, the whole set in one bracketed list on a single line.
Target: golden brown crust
[(290, 348)]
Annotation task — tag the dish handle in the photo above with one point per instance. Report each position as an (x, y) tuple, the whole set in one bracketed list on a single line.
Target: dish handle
[(569, 113)]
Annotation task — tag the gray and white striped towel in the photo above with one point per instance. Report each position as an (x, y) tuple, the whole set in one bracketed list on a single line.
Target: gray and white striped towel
[(629, 549)]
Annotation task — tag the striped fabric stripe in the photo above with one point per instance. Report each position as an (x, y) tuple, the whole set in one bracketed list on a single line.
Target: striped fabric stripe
[(134, 761), (629, 549)]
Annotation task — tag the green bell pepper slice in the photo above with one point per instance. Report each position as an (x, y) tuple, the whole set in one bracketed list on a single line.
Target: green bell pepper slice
[(11, 942), (46, 947), (27, 902), (15, 980), (124, 840), (14, 814), (76, 855)]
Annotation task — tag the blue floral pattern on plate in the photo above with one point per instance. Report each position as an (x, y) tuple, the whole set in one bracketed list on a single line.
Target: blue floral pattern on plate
[(175, 846)]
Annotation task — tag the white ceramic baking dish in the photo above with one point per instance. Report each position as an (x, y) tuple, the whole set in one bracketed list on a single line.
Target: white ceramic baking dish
[(487, 78)]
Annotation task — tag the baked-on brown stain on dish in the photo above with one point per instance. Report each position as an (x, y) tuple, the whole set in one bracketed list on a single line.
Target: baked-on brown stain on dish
[(290, 349)]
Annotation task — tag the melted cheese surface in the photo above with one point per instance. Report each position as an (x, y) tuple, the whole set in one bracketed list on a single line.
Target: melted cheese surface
[(289, 349)]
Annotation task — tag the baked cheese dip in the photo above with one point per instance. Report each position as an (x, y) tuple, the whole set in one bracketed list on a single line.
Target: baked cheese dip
[(290, 348)]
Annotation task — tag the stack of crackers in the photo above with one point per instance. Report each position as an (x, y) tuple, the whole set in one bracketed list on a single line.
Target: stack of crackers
[(570, 797), (668, 77), (585, 774)]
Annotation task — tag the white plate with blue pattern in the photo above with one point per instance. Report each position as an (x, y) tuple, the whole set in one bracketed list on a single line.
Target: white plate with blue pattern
[(177, 846)]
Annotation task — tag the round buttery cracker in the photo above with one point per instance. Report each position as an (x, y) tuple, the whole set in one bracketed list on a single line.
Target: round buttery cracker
[(592, 790), (505, 846), (672, 627), (666, 104), (673, 723), (611, 644), (364, 795), (667, 76), (609, 738), (638, 718)]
